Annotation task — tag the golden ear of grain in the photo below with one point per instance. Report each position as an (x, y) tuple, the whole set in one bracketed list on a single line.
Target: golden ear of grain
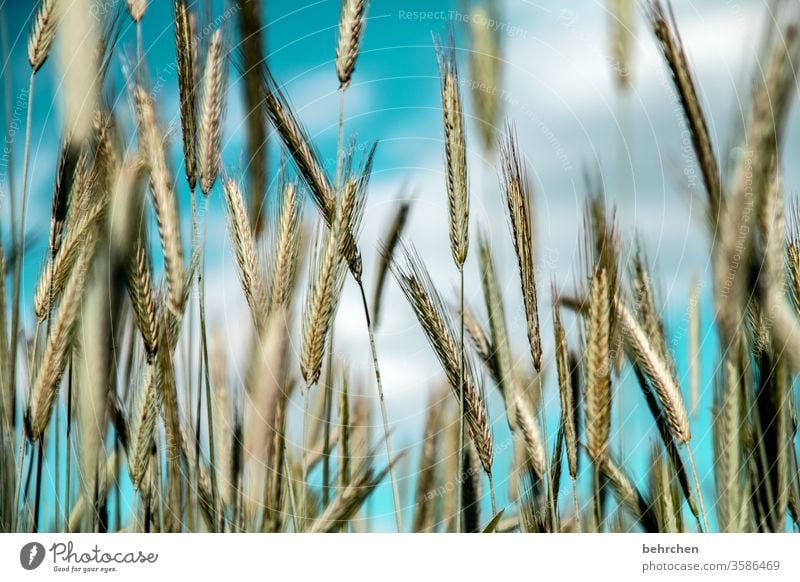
[(211, 113), (514, 181), (657, 370), (187, 75), (246, 253), (351, 27), (598, 373), (143, 301), (143, 424), (455, 149), (55, 273), (297, 143), (59, 343), (42, 34), (163, 197), (107, 158), (414, 280), (137, 8), (287, 246), (671, 45), (323, 294)]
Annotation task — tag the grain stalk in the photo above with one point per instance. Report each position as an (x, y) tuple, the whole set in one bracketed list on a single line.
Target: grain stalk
[(458, 213), (39, 43)]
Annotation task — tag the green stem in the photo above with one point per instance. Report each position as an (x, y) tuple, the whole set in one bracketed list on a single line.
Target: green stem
[(69, 448), (598, 505), (18, 492), (459, 499), (384, 414), (37, 503), (290, 486), (57, 464), (304, 468), (491, 494), (204, 340), (551, 495), (697, 486), (326, 444), (576, 503)]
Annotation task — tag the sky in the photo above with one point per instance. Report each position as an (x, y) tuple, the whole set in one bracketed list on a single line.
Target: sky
[(557, 90)]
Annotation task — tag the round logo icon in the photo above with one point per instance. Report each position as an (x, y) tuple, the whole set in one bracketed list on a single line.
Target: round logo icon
[(31, 555)]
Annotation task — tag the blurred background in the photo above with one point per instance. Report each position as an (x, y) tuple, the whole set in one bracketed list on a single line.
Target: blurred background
[(587, 91)]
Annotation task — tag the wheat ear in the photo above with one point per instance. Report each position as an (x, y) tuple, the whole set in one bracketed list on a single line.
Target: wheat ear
[(42, 34), (516, 186), (59, 344), (136, 8), (598, 373), (296, 141), (455, 149), (351, 27), (671, 45), (143, 300), (287, 246), (657, 370), (246, 252), (186, 88), (163, 197), (55, 273), (326, 282), (439, 329), (211, 113)]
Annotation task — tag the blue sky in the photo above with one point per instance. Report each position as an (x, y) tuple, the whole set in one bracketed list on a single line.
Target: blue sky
[(558, 91)]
